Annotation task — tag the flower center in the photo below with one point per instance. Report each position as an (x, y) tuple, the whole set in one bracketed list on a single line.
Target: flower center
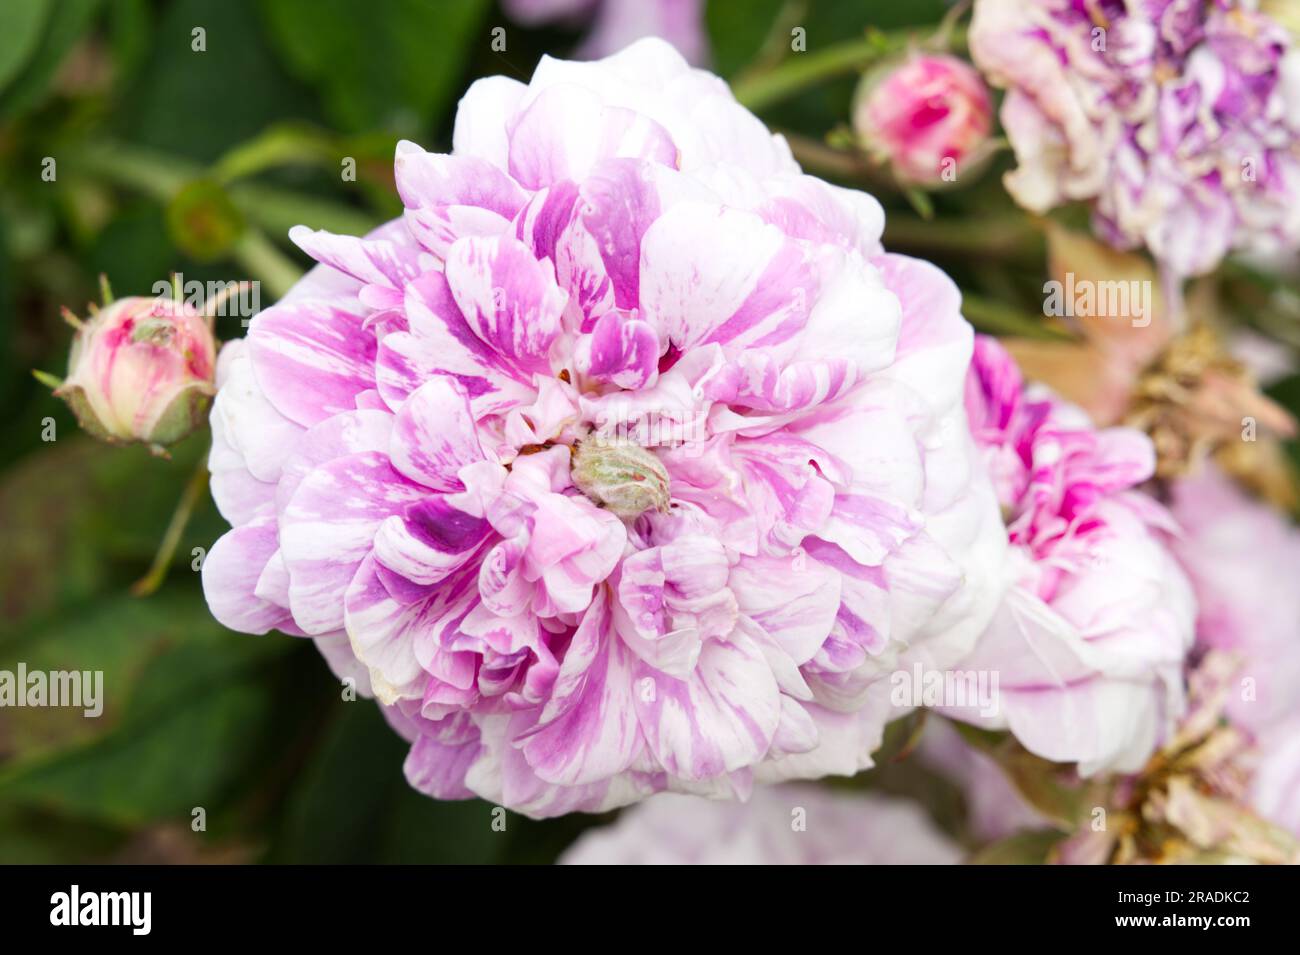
[(620, 476)]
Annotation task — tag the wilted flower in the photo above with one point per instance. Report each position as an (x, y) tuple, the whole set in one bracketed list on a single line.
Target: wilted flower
[(928, 117), (1242, 557), (1090, 642), (1197, 398), (781, 825), (1178, 121), (613, 251), (1189, 802), (1186, 389), (141, 370)]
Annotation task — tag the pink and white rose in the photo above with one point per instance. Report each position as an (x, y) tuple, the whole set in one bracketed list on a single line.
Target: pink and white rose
[(1177, 120), (618, 269), (1090, 642)]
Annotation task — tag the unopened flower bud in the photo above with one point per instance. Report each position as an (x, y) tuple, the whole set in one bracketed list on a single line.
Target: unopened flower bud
[(622, 477), (141, 369), (928, 117)]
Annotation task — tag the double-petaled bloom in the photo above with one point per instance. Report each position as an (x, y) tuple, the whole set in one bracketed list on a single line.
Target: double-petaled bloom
[(1090, 641), (625, 461), (1178, 120)]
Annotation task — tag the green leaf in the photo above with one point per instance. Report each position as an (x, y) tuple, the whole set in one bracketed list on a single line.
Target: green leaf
[(20, 33), (997, 318), (1023, 848), (394, 66), (921, 202), (30, 837), (278, 145), (275, 209), (130, 27), (829, 23), (739, 30), (355, 806), (68, 22), (197, 718), (133, 249), (82, 518), (45, 378), (118, 635), (1050, 788), (196, 103)]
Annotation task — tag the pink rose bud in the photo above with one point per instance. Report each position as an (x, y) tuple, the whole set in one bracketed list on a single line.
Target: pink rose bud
[(141, 369), (928, 117)]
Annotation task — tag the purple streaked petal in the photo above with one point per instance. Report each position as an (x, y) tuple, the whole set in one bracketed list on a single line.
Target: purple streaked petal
[(434, 436), (793, 601), (329, 526), (719, 720), (501, 582), (588, 730), (448, 197), (429, 541), (713, 274), (374, 261), (350, 433), (230, 575), (566, 130), (508, 298), (438, 761), (311, 359), (384, 633), (621, 351), (442, 342)]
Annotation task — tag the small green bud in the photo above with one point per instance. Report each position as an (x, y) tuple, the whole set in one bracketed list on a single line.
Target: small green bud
[(620, 476)]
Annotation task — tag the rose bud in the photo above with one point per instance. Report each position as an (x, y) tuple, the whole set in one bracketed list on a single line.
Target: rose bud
[(928, 117), (141, 369)]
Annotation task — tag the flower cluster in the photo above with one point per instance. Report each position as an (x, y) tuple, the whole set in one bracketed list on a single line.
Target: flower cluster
[(627, 471), (415, 450), (1179, 120), (627, 462)]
